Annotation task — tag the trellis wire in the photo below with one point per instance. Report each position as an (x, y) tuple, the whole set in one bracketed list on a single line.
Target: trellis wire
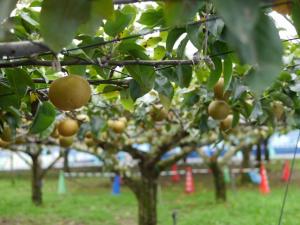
[(288, 183), (163, 173), (201, 21)]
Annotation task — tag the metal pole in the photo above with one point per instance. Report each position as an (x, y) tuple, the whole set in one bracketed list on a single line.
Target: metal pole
[(12, 169), (174, 217)]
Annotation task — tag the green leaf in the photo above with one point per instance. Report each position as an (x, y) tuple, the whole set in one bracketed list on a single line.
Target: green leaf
[(116, 25), (7, 96), (28, 19), (236, 118), (135, 90), (127, 101), (239, 16), (171, 74), (179, 12), (216, 73), (7, 100), (152, 17), (227, 72), (144, 75), (35, 3), (257, 110), (97, 124), (130, 10), (60, 20), (172, 38), (110, 91), (165, 90), (255, 38), (215, 27), (284, 98), (202, 74), (152, 41), (268, 59), (181, 47), (195, 35), (100, 9), (44, 117), (184, 73), (87, 40), (78, 70), (84, 128), (19, 81), (131, 48), (191, 98), (238, 89), (91, 26), (46, 133), (296, 15), (203, 124), (159, 52), (104, 8), (13, 117)]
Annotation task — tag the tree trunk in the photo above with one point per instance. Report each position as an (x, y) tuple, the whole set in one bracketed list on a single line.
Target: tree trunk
[(147, 201), (267, 153), (258, 155), (219, 182), (66, 161), (36, 181), (245, 179), (145, 190)]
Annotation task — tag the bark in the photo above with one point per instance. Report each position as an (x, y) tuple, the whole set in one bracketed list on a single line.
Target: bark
[(66, 161), (267, 153), (36, 181), (258, 155), (245, 179), (145, 190), (22, 48), (17, 50), (219, 182), (49, 63), (119, 2), (147, 201)]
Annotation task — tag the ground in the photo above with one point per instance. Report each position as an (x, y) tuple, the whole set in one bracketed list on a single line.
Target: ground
[(90, 202)]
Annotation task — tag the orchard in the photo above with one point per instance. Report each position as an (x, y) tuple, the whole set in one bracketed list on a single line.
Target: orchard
[(104, 77)]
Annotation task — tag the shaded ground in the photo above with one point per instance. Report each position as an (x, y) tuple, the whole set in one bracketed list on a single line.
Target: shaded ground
[(89, 202)]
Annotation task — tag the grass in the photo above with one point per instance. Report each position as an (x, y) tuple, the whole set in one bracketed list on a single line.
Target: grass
[(90, 202)]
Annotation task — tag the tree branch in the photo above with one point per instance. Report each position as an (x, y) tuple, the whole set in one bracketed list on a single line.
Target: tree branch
[(186, 149), (23, 158), (33, 62), (232, 151), (28, 48), (133, 183), (22, 48), (162, 165), (92, 82), (78, 148), (120, 2), (50, 166), (134, 152), (203, 155), (167, 146)]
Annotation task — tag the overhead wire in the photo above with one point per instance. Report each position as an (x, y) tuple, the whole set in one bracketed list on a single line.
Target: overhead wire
[(137, 35), (133, 36), (288, 183), (199, 22)]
